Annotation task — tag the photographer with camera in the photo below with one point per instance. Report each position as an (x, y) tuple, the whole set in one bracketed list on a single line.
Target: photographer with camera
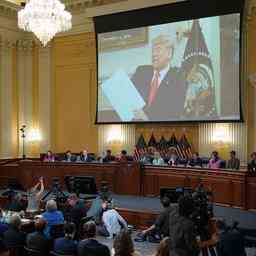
[(35, 195), (183, 237)]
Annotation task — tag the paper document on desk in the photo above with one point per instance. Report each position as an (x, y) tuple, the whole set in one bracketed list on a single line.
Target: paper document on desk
[(123, 95)]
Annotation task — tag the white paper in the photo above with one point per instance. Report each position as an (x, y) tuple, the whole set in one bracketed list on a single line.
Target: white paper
[(123, 95)]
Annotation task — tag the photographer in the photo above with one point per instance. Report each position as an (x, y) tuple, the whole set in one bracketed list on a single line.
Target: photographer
[(183, 240)]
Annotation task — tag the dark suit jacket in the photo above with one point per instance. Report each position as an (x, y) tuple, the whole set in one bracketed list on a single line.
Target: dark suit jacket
[(14, 238), (39, 242), (170, 98), (231, 243), (66, 246), (92, 247)]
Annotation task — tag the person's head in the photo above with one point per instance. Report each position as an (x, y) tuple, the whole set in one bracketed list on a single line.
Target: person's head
[(105, 204), (40, 224), (253, 155), (69, 230), (221, 226), (123, 152), (172, 152), (68, 153), (215, 155), (49, 153), (15, 221), (195, 155), (162, 51), (123, 245), (186, 206), (164, 247), (165, 201), (51, 206), (232, 154), (89, 229), (84, 152), (157, 155), (72, 199), (108, 152)]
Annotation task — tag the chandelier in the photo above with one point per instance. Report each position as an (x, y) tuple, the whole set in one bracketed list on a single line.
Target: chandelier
[(44, 18)]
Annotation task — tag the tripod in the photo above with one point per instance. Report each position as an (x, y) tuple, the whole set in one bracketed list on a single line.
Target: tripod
[(56, 192)]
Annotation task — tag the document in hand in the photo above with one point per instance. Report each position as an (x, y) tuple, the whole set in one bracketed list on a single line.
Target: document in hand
[(123, 95)]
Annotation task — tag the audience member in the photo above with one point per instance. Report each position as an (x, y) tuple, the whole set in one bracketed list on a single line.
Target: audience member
[(3, 226), (52, 216), (84, 157), (77, 209), (49, 157), (69, 157), (172, 157), (215, 161), (230, 242), (37, 240), (34, 196), (161, 226), (66, 245), (233, 162), (123, 245), (13, 237), (158, 160), (164, 247), (109, 157), (89, 245), (183, 240), (195, 160), (112, 221), (15, 204), (252, 163)]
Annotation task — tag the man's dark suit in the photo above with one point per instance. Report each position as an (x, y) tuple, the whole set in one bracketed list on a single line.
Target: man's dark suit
[(169, 101), (14, 238), (39, 242), (92, 247)]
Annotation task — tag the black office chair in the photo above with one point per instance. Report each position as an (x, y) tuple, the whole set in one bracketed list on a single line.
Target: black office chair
[(57, 231)]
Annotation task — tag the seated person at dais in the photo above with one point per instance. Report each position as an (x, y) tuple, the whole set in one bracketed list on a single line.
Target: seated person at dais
[(52, 216), (158, 160), (108, 157), (37, 240), (146, 158), (49, 157), (69, 157), (123, 245), (195, 161), (84, 157), (252, 163), (161, 226), (215, 161), (13, 237), (34, 196), (66, 245), (172, 157), (112, 221), (89, 245), (233, 162), (123, 157)]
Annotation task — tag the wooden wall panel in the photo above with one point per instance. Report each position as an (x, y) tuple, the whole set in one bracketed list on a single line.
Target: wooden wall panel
[(74, 94)]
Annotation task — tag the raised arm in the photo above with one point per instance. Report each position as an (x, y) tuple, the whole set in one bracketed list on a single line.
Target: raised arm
[(39, 194)]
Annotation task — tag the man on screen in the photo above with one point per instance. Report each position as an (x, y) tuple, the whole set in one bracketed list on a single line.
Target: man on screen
[(162, 87)]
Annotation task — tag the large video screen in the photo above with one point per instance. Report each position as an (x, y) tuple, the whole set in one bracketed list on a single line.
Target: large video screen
[(179, 71)]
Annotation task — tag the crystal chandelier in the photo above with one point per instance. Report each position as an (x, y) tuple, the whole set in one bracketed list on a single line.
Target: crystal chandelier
[(44, 18)]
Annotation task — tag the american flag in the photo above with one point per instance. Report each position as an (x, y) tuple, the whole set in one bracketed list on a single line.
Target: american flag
[(140, 148)]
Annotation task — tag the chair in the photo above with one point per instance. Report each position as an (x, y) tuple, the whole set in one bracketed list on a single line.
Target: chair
[(32, 252), (16, 251), (57, 231)]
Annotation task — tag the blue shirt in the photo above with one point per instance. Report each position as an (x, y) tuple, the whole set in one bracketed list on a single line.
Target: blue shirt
[(52, 218), (65, 245)]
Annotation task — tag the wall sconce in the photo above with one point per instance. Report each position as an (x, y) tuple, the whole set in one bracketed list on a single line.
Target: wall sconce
[(221, 134), (115, 135), (34, 135)]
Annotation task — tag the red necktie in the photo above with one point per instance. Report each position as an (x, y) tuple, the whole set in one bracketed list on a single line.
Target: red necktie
[(153, 88)]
